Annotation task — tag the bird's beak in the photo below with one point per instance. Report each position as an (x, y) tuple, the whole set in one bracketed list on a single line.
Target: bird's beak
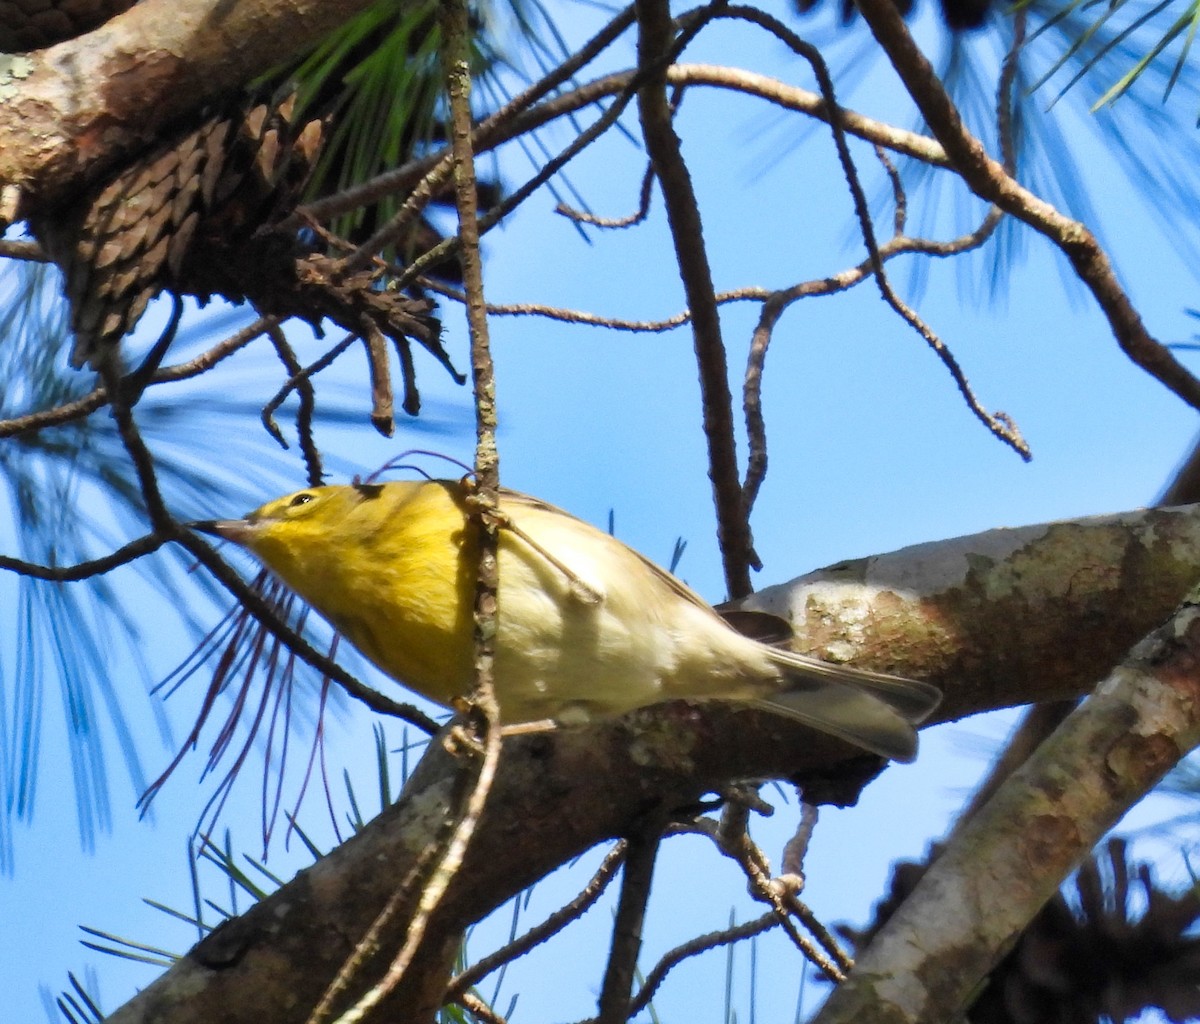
[(236, 530)]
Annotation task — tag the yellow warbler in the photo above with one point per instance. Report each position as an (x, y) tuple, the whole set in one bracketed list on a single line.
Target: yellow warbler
[(586, 626)]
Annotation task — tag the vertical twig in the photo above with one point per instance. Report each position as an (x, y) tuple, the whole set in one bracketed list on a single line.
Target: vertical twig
[(456, 56), (615, 995), (655, 38), (456, 31)]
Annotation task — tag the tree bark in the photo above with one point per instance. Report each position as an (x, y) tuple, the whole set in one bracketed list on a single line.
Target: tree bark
[(69, 112)]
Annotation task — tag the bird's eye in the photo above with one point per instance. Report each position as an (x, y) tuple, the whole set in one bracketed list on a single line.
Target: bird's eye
[(303, 498)]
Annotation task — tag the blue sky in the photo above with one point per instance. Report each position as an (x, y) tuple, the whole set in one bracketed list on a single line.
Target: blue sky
[(871, 449)]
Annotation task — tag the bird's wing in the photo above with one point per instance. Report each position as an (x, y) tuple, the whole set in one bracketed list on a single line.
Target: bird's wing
[(673, 583)]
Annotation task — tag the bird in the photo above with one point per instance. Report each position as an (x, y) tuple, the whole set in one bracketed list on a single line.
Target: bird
[(586, 627)]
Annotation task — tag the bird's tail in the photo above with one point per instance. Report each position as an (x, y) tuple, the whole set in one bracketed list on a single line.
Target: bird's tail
[(868, 709)]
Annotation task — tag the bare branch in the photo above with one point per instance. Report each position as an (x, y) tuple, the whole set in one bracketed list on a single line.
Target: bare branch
[(304, 414), (641, 851), (999, 423), (683, 215), (693, 947), (297, 380), (568, 912), (503, 127), (98, 397), (988, 179), (85, 570)]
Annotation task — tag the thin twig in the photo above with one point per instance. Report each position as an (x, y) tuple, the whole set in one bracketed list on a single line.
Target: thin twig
[(640, 855), (98, 397), (693, 947), (449, 247), (576, 316), (988, 179), (818, 930), (683, 215), (645, 191), (368, 945), (503, 127), (568, 912), (999, 423), (796, 848), (455, 54), (85, 570), (297, 380), (732, 839), (776, 303), (629, 220), (304, 414), (899, 196)]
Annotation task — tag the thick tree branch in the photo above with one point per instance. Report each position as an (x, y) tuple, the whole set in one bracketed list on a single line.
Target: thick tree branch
[(91, 100), (930, 958), (996, 619)]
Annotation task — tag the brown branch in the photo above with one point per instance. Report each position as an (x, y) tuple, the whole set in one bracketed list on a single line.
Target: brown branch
[(85, 570), (298, 380), (304, 414), (369, 943), (999, 423), (693, 947), (988, 179), (577, 316), (732, 838), (776, 304), (568, 912), (641, 851), (683, 214), (644, 193), (498, 129), (98, 397), (628, 221)]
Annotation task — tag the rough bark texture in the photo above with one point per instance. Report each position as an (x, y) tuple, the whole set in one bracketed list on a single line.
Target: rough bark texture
[(80, 106), (559, 793), (1008, 860), (1007, 617)]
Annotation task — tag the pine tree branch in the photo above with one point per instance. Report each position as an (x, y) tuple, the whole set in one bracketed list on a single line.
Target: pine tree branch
[(930, 958), (927, 604)]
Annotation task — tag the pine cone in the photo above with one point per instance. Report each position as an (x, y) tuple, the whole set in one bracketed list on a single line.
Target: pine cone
[(130, 238), (195, 216), (35, 24)]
